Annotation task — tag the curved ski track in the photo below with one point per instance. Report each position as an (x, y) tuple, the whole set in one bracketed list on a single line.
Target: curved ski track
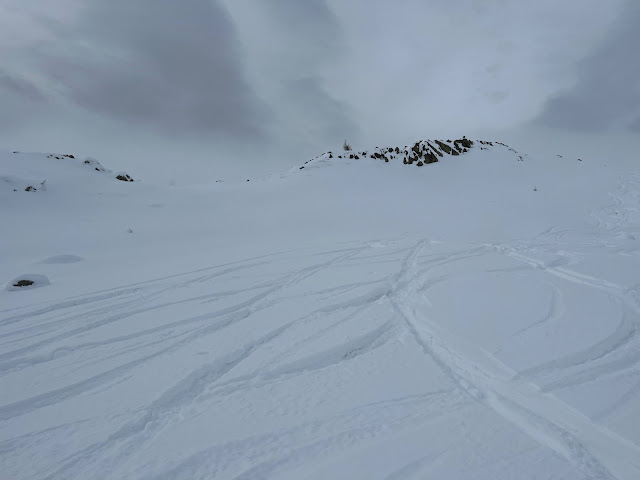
[(112, 337)]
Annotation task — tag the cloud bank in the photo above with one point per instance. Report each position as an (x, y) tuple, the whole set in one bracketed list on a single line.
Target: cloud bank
[(247, 81)]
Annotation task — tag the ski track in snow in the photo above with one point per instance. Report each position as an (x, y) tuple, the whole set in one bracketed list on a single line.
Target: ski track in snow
[(229, 316), (60, 335), (544, 418)]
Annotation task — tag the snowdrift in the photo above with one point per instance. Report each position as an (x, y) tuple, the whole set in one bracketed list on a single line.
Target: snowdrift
[(471, 317)]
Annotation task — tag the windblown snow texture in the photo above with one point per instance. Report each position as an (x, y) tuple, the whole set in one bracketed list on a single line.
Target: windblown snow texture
[(474, 318)]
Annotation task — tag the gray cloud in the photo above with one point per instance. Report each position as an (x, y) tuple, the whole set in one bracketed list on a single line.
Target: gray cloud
[(293, 49), (607, 92), (310, 22), (252, 82), (175, 66), (325, 116), (20, 100), (21, 87)]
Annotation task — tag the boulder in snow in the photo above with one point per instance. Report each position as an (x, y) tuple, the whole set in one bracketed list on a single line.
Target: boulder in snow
[(28, 281)]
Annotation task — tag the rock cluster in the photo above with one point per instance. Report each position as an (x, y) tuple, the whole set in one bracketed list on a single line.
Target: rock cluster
[(421, 153)]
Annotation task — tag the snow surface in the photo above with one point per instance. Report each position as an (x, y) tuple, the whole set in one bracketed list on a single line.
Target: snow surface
[(473, 318)]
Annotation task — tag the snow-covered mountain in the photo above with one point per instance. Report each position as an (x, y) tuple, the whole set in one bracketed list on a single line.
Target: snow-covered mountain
[(354, 317)]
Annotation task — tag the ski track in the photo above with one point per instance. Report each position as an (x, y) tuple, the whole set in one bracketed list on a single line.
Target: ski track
[(183, 395), (553, 314), (544, 418), (48, 333), (168, 405), (601, 358), (286, 449)]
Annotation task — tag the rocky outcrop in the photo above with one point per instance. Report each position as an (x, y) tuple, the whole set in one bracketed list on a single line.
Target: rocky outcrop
[(421, 153)]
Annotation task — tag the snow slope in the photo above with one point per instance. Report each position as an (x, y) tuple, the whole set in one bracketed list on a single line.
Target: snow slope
[(471, 318)]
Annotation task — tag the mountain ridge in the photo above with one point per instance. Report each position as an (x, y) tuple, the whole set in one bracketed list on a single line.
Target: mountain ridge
[(420, 153)]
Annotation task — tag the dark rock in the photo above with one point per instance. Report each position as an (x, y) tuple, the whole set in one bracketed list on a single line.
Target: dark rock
[(419, 164), (23, 283), (445, 148), (430, 158), (434, 149), (30, 189)]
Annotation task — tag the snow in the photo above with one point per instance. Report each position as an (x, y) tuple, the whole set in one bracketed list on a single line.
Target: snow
[(29, 280), (472, 318)]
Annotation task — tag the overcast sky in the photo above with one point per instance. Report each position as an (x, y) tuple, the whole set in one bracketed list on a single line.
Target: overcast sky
[(163, 85)]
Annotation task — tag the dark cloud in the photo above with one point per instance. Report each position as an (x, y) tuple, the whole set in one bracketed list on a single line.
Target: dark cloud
[(315, 34), (607, 93), (311, 22), (20, 87), (295, 49), (173, 66), (20, 99), (326, 118), (254, 81)]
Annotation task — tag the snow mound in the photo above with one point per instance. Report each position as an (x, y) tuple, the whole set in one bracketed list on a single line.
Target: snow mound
[(28, 281), (40, 172), (422, 152)]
